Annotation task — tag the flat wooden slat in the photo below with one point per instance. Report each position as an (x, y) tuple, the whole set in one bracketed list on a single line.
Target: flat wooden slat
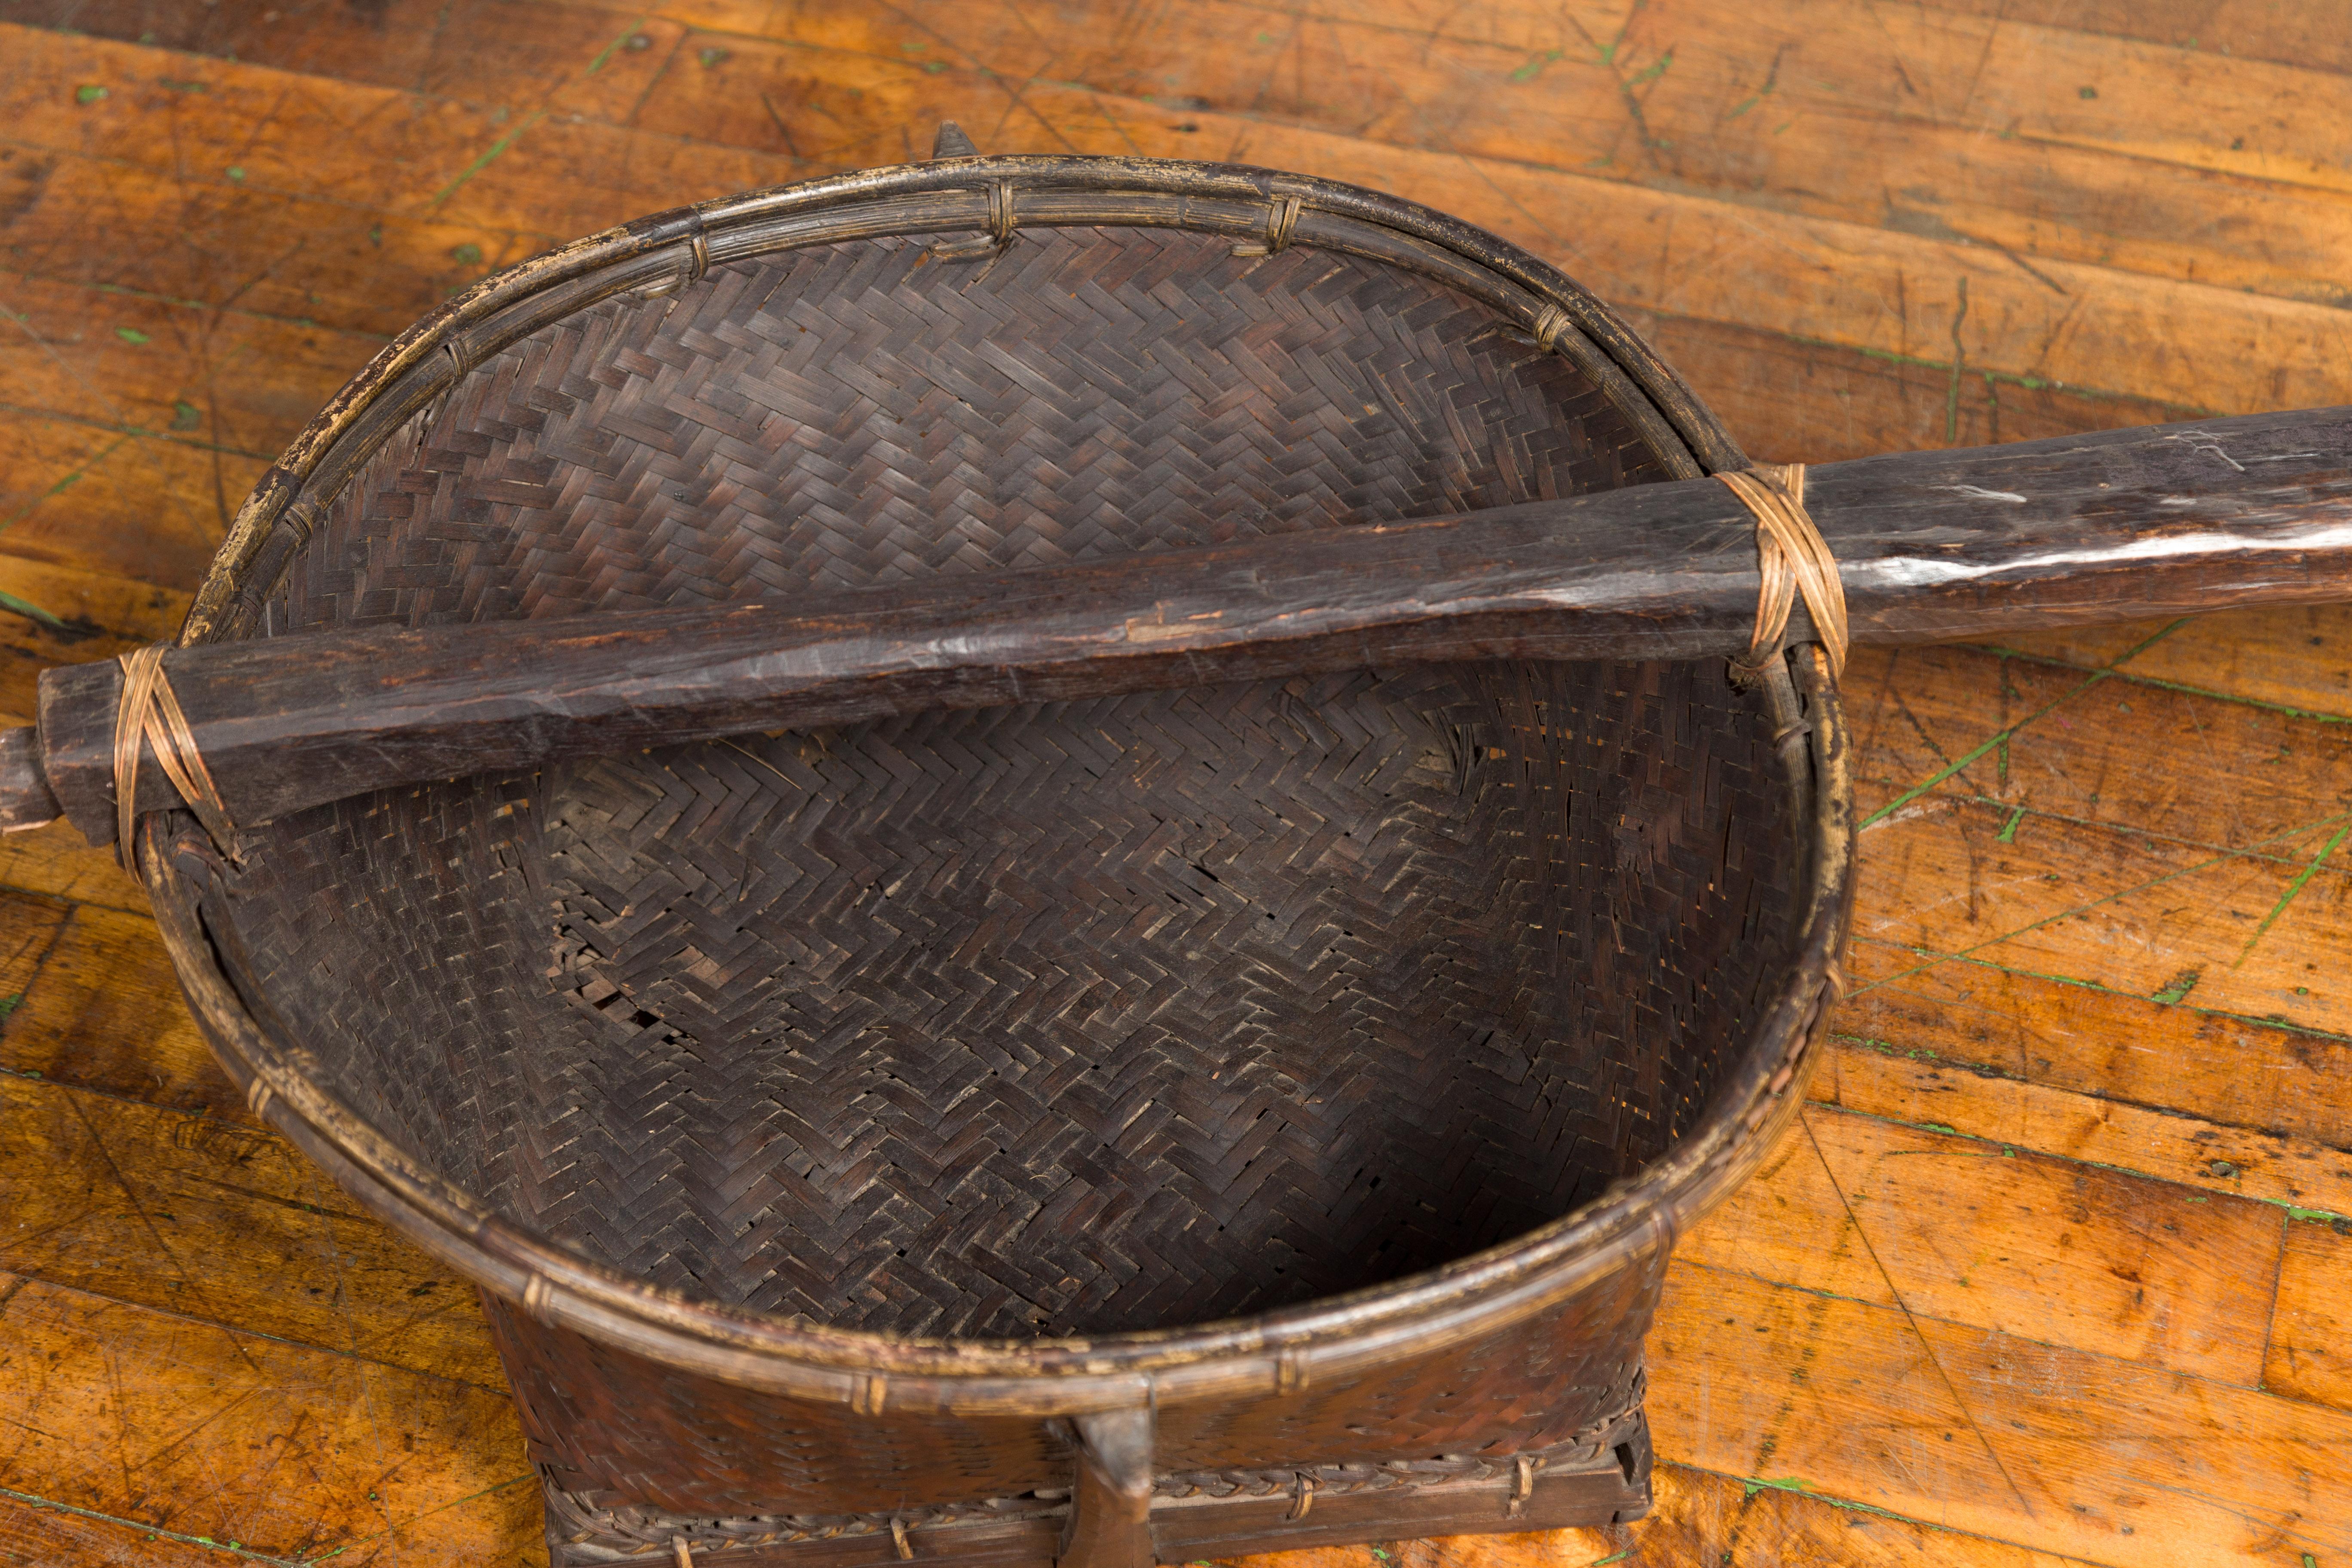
[(1788, 1224), (1935, 123), (2103, 905), (2058, 1251), (1726, 108), (28, 934), (371, 274), (223, 1223), (105, 1012), (2311, 1335), (95, 608), (2188, 837), (1702, 1516), (2071, 748), (2077, 324), (2102, 1127), (2073, 117), (2115, 906), (202, 377), (56, 861), (2291, 657), (1792, 401), (2178, 1056), (116, 503), (226, 245), (286, 1451), (1994, 1235), (31, 641), (535, 170), (33, 1532), (2247, 29), (484, 53), (2041, 1446), (487, 52), (1698, 1519)]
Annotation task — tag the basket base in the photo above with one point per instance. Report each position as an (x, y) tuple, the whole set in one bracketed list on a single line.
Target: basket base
[(1608, 1485)]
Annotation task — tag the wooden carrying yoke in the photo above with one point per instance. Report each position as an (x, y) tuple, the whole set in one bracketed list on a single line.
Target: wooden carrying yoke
[(1928, 546)]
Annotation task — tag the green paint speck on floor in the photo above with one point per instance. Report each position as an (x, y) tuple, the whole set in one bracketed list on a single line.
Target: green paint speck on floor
[(1535, 66)]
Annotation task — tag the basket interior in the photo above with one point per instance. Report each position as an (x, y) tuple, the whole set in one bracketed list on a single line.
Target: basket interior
[(1069, 1018)]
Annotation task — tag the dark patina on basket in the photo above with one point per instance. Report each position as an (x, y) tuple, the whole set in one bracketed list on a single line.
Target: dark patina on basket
[(1174, 1125)]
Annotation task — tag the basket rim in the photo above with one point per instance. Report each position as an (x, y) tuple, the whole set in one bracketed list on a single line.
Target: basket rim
[(1636, 1221)]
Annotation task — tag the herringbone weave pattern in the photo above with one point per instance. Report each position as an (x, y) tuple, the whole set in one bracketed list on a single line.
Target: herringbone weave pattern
[(862, 414), (1066, 1018)]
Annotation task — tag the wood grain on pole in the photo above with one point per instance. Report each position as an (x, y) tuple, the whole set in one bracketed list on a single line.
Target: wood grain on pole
[(2122, 525)]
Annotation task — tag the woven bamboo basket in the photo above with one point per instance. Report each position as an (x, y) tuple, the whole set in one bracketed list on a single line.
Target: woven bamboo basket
[(1162, 1126)]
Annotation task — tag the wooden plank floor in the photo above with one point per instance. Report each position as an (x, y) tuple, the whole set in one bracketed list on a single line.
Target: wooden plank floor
[(2056, 1269)]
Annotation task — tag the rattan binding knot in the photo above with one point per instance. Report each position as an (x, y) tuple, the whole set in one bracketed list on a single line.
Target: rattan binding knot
[(1793, 559), (1002, 221), (1523, 1485), (1281, 223), (150, 715), (1551, 324), (439, 403), (698, 263)]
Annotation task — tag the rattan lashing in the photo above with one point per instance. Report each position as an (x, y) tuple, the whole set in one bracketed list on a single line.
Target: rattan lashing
[(870, 1142)]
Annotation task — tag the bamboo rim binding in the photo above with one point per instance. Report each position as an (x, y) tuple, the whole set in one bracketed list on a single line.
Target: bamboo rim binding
[(150, 714), (1792, 558)]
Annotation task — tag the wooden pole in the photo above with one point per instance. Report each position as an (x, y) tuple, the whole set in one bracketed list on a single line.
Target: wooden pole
[(2123, 525)]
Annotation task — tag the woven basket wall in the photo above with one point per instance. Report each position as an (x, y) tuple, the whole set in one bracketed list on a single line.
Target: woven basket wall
[(758, 1078)]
